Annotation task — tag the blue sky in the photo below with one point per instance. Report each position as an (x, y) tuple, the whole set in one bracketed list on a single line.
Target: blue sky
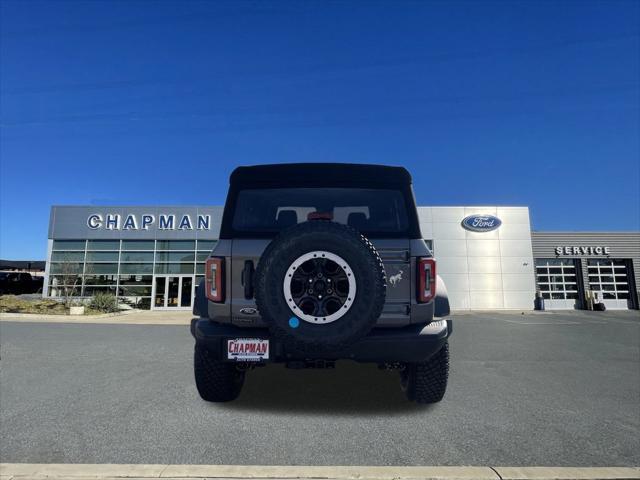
[(508, 103)]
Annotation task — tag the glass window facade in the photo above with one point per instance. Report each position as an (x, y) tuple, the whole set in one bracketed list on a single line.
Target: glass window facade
[(126, 268), (103, 245)]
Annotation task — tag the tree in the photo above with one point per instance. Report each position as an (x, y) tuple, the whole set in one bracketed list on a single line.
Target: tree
[(67, 278)]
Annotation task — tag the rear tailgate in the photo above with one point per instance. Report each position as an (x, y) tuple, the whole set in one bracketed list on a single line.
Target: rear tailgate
[(245, 255), (396, 256)]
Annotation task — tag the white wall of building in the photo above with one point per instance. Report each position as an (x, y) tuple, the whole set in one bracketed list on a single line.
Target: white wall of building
[(483, 270)]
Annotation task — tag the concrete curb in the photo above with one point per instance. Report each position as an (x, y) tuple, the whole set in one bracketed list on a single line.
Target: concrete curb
[(23, 471), (567, 473)]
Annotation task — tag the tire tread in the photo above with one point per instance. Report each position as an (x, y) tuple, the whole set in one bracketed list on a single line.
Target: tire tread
[(426, 382), (216, 381)]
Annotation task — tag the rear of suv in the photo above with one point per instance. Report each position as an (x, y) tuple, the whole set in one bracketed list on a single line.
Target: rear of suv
[(318, 263)]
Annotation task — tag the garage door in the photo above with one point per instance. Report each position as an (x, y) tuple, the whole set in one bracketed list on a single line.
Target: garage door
[(610, 280), (557, 282)]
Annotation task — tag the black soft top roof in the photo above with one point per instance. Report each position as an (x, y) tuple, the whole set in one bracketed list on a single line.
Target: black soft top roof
[(320, 174)]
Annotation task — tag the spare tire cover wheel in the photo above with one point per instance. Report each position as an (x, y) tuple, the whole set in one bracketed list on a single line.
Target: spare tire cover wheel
[(320, 285)]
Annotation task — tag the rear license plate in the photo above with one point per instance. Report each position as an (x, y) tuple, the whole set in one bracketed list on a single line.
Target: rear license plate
[(248, 349)]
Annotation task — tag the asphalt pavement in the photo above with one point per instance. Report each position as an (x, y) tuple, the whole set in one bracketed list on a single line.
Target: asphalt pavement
[(534, 389)]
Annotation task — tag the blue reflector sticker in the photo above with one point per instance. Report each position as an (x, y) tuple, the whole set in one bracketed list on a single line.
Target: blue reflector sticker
[(294, 322)]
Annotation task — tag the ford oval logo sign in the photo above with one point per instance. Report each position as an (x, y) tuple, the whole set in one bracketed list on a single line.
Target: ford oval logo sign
[(481, 223)]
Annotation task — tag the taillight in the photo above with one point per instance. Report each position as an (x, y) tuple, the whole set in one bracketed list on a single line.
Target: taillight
[(426, 279), (214, 279)]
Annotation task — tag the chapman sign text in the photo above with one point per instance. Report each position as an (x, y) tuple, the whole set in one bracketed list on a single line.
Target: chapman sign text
[(146, 221), (575, 250)]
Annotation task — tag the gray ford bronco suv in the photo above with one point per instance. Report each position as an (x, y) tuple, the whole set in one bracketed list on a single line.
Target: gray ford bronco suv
[(318, 263)]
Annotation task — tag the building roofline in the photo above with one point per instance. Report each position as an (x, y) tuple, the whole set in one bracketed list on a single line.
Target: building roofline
[(589, 232), (136, 206)]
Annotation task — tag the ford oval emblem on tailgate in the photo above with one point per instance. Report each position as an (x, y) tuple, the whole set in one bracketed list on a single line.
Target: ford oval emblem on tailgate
[(481, 223), (248, 311)]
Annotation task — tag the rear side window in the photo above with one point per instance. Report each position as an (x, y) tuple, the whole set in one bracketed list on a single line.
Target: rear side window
[(372, 211)]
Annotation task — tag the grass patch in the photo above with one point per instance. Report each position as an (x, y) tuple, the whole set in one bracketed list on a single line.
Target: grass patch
[(13, 304)]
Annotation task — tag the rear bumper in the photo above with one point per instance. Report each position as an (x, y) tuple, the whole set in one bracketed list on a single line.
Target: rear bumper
[(414, 343)]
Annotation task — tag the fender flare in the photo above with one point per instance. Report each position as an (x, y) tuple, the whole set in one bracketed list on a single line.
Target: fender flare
[(441, 302)]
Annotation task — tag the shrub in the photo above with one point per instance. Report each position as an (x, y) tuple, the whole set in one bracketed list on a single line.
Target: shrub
[(104, 302)]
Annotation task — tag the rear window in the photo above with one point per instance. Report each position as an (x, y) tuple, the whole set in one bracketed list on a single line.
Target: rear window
[(371, 211)]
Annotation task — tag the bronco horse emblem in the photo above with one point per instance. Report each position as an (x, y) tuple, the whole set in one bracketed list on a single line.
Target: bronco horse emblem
[(393, 279)]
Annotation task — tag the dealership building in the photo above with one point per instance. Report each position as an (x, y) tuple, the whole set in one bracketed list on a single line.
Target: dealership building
[(153, 257)]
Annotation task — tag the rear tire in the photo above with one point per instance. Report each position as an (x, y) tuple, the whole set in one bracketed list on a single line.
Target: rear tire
[(426, 382), (216, 381)]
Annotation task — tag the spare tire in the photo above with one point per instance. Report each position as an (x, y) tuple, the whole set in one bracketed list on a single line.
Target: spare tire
[(320, 286)]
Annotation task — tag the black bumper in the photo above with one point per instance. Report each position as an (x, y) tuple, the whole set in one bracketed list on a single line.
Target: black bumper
[(414, 343)]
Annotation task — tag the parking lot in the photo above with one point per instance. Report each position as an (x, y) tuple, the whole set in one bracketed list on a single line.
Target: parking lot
[(533, 389)]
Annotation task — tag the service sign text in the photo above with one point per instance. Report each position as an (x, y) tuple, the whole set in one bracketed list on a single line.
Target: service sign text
[(582, 250)]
